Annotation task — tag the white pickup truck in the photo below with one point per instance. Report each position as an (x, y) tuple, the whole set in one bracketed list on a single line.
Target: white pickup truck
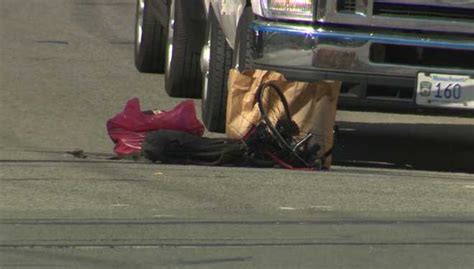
[(415, 55)]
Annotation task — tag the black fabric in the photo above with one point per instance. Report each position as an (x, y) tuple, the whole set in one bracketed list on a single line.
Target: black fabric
[(174, 147)]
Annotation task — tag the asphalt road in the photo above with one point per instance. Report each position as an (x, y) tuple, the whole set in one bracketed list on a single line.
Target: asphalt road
[(401, 194)]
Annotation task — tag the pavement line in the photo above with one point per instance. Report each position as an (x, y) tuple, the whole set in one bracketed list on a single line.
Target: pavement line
[(224, 244)]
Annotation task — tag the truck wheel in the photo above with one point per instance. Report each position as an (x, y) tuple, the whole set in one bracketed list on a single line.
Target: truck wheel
[(150, 40), (243, 43), (216, 60), (182, 75)]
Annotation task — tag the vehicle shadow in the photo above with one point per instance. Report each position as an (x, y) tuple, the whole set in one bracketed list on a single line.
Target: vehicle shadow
[(431, 147)]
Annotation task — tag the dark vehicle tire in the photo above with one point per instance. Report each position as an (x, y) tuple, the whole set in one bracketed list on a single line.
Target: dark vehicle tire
[(150, 40), (183, 50), (243, 44), (218, 58)]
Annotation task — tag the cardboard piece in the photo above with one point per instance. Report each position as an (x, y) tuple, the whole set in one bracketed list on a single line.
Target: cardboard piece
[(312, 105)]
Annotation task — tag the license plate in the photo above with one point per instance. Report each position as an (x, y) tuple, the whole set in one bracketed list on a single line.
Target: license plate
[(443, 90)]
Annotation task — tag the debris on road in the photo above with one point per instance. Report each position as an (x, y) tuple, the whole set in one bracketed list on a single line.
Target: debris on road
[(174, 147), (270, 122), (260, 127), (128, 128), (78, 153), (312, 107)]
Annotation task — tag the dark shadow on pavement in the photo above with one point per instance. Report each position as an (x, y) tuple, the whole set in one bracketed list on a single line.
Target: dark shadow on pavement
[(432, 147)]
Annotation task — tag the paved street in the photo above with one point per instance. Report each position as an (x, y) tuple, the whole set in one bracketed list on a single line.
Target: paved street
[(401, 194)]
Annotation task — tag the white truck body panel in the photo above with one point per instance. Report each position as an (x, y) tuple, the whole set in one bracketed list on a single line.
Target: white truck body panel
[(228, 13)]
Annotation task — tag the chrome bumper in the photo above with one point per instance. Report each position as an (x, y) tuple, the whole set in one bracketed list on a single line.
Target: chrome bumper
[(311, 53), (336, 50)]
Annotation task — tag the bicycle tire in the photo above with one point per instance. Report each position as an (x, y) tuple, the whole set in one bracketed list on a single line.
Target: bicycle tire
[(265, 116)]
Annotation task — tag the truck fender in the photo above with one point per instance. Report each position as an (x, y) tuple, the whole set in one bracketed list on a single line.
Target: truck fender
[(228, 13)]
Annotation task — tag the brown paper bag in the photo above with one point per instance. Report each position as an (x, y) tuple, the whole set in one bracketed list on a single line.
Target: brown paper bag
[(312, 105)]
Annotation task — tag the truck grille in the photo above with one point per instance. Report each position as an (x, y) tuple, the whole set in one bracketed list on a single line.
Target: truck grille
[(346, 6), (423, 12), (421, 56)]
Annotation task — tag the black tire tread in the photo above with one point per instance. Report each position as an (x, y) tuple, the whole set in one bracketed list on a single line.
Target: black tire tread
[(214, 110), (151, 54), (244, 40), (185, 77)]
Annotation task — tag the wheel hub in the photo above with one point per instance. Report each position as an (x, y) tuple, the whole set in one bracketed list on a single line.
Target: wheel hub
[(205, 57), (169, 41), (139, 24), (204, 64)]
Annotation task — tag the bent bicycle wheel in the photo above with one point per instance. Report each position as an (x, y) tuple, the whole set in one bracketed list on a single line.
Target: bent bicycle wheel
[(275, 112)]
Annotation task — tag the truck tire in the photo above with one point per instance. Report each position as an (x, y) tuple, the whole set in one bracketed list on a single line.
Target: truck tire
[(183, 50), (217, 59), (216, 62), (243, 43), (150, 40)]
